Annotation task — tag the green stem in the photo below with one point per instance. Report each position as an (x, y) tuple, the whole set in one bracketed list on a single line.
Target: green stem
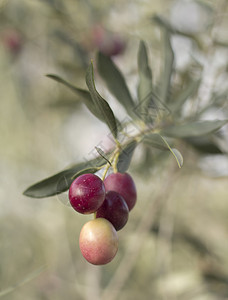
[(115, 161), (105, 171)]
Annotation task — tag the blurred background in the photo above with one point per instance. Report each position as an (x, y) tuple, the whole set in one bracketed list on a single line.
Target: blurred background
[(175, 245)]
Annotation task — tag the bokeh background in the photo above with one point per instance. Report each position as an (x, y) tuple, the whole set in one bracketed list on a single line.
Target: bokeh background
[(175, 245)]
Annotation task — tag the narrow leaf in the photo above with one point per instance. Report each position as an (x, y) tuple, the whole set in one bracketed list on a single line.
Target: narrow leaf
[(165, 81), (85, 171), (115, 82), (155, 108), (126, 156), (145, 80), (193, 129), (61, 181), (221, 43), (102, 154), (205, 144), (217, 100), (80, 53), (155, 140), (187, 92), (145, 74), (177, 155), (100, 103), (164, 23), (83, 94)]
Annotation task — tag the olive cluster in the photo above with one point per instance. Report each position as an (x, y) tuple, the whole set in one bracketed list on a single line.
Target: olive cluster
[(110, 201)]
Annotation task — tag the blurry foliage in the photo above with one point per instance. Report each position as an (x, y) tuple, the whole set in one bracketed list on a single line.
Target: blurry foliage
[(176, 245)]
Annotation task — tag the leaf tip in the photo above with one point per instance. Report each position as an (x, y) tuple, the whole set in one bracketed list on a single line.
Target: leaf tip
[(52, 76), (178, 156), (26, 193)]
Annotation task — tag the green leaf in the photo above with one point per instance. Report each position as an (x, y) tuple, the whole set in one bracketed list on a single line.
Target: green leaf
[(102, 154), (145, 74), (178, 156), (52, 185), (165, 80), (221, 43), (100, 103), (115, 82), (165, 24), (187, 92), (155, 140), (82, 94), (125, 156), (205, 144), (217, 100), (86, 171), (61, 181), (193, 129), (81, 56), (176, 153), (145, 80)]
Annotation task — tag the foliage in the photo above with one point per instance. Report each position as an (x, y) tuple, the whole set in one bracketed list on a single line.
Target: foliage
[(157, 116)]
